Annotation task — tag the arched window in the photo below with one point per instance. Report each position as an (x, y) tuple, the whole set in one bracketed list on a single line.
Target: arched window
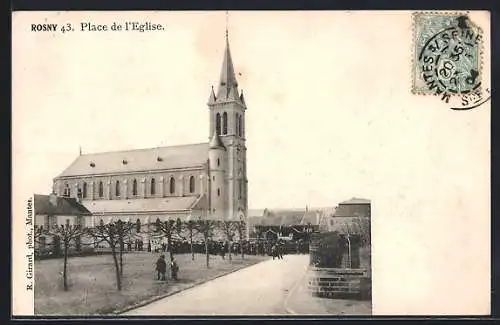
[(134, 188), (84, 192), (224, 123), (240, 126), (218, 192), (66, 191), (191, 184), (117, 188), (217, 123), (172, 185), (153, 186), (101, 189)]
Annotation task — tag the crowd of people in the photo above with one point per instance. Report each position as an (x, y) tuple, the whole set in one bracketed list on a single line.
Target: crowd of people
[(261, 247)]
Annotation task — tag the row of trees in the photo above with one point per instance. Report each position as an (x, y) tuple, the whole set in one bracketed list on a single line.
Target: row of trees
[(115, 233)]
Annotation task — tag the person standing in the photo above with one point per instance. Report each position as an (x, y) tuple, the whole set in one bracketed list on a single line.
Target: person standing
[(161, 267), (223, 250), (174, 268)]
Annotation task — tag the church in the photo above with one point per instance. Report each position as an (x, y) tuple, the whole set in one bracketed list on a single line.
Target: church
[(207, 180)]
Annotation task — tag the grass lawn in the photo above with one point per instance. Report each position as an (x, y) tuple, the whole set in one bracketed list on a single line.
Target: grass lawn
[(92, 281)]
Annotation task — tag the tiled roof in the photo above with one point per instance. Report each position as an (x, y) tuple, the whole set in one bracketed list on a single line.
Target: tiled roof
[(44, 204), (192, 155), (170, 204), (355, 200)]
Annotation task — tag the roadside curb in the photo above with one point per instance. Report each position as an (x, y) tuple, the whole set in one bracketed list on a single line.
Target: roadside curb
[(168, 294), (293, 291)]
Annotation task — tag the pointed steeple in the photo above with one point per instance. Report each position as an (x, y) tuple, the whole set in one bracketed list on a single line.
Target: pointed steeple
[(212, 98), (242, 98), (233, 93), (227, 79), (216, 142)]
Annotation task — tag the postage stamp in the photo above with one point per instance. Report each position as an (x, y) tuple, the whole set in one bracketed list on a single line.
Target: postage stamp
[(447, 55)]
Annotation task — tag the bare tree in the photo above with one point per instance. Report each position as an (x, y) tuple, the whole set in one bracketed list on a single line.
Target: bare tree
[(124, 229), (206, 228), (113, 234), (190, 226), (358, 226), (166, 228), (67, 233)]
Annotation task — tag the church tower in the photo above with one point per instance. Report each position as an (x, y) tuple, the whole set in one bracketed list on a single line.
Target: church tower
[(227, 122)]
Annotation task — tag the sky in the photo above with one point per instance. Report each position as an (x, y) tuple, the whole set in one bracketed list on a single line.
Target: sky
[(306, 117), (330, 116), (325, 115)]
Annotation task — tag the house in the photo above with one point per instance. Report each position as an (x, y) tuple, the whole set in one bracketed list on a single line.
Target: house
[(351, 216), (51, 210)]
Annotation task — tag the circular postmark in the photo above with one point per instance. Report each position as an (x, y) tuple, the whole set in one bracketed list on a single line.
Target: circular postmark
[(449, 61)]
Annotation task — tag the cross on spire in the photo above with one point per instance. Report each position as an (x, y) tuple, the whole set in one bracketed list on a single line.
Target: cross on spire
[(227, 24)]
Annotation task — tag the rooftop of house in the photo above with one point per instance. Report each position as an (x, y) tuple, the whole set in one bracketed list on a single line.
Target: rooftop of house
[(57, 205), (356, 200)]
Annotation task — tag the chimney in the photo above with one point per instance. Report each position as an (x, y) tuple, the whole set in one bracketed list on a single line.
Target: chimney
[(53, 199)]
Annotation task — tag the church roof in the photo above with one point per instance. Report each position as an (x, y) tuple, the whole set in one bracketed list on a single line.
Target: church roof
[(57, 205), (161, 158), (166, 204)]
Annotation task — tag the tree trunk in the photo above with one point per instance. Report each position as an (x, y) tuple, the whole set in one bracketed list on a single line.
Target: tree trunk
[(170, 250), (191, 242), (230, 249), (206, 252), (117, 268), (121, 260), (65, 267), (121, 255), (241, 248)]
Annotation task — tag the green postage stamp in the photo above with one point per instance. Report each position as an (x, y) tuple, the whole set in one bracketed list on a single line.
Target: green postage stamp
[(447, 55)]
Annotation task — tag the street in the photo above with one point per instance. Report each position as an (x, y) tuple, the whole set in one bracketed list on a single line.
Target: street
[(261, 289)]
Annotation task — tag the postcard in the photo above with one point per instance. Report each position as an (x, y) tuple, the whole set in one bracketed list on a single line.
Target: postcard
[(248, 163)]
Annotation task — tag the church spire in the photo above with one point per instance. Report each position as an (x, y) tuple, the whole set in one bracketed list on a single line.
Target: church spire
[(227, 79), (211, 98)]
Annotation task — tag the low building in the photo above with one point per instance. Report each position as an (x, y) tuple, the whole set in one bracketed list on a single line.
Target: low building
[(351, 216), (285, 224), (52, 210)]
